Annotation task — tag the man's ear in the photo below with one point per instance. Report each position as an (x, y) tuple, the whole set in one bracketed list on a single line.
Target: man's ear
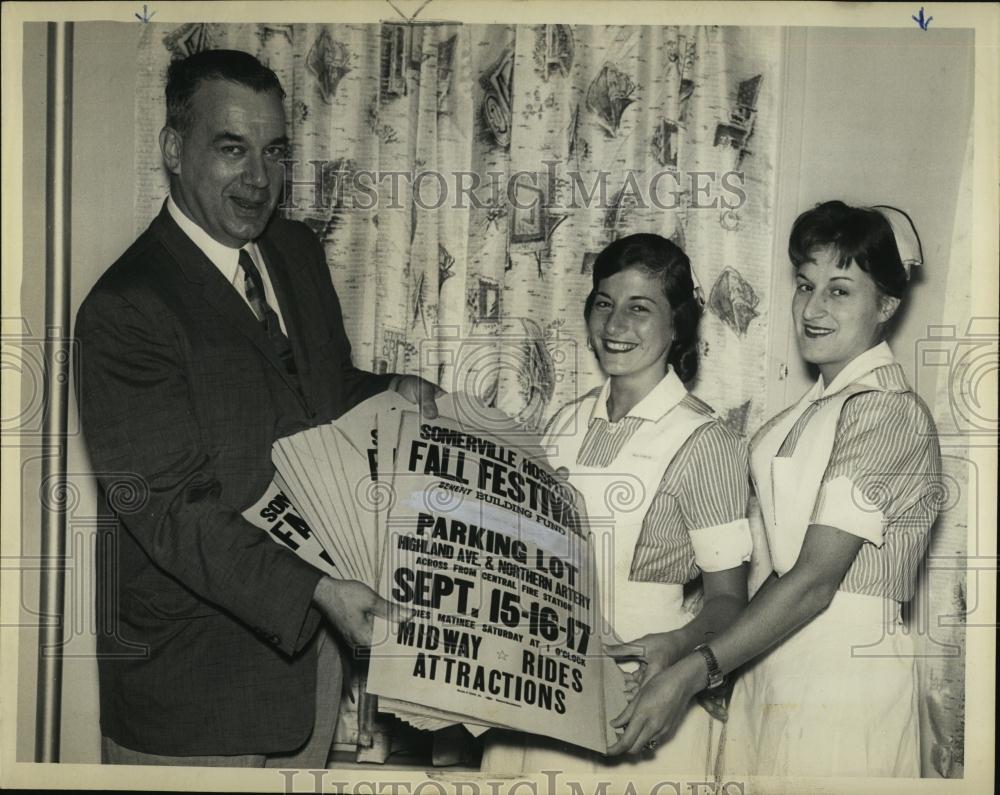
[(887, 306), (171, 145)]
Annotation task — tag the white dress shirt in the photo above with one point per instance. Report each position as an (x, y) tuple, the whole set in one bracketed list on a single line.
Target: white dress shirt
[(227, 259)]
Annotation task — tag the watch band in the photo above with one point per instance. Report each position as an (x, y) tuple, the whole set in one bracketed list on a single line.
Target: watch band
[(715, 677)]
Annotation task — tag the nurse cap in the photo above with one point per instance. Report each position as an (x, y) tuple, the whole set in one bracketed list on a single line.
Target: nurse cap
[(905, 233)]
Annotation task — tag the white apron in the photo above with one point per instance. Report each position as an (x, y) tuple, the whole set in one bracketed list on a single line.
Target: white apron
[(821, 703), (617, 499)]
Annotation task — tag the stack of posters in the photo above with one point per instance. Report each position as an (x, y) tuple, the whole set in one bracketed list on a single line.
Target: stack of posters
[(459, 521)]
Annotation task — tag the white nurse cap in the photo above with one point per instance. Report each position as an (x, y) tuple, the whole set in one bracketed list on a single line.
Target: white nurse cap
[(907, 240)]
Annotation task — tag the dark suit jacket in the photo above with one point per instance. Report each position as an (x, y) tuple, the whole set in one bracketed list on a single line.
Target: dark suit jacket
[(204, 622)]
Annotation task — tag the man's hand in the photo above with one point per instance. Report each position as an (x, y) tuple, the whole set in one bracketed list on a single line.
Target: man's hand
[(660, 705), (418, 390), (352, 606)]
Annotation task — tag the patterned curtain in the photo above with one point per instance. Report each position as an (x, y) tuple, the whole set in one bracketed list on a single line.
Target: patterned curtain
[(470, 174)]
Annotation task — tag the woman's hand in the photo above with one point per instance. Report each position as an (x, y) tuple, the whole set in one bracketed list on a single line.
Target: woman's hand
[(654, 652), (633, 681), (660, 705)]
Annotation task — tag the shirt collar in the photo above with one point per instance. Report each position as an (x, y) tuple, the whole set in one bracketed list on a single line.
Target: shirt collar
[(662, 398), (856, 370), (226, 259)]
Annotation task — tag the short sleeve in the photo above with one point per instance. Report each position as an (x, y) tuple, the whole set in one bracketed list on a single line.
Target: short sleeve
[(882, 463), (713, 492)]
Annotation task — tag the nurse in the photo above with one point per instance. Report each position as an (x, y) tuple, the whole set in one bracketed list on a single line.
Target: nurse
[(686, 475), (848, 483)]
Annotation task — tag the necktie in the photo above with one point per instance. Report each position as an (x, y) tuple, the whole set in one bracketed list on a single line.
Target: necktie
[(253, 284)]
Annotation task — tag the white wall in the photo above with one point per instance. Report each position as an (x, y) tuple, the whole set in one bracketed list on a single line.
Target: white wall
[(875, 116), (102, 208)]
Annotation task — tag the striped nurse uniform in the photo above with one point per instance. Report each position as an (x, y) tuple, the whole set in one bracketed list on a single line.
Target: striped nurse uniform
[(666, 490), (838, 697)]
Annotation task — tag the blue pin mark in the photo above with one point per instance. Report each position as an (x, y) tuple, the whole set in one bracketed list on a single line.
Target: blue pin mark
[(147, 15), (919, 19)]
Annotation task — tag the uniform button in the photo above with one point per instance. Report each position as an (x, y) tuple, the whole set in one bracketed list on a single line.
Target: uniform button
[(275, 640)]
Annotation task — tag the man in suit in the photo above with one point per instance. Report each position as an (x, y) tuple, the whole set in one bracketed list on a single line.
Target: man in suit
[(217, 332)]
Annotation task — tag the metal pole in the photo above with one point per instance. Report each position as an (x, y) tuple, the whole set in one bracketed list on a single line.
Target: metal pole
[(58, 166)]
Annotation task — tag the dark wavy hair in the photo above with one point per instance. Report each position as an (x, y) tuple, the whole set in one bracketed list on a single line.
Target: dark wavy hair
[(857, 234), (666, 262), (186, 74)]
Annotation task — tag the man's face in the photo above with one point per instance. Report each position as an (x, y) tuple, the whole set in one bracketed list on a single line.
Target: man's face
[(227, 174)]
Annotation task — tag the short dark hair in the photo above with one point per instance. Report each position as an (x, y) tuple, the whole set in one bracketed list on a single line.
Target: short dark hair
[(857, 234), (186, 74), (667, 262)]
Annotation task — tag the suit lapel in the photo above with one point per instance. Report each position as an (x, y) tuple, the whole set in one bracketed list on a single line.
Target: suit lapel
[(216, 291)]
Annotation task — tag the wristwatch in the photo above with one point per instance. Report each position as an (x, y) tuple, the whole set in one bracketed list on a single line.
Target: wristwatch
[(715, 676)]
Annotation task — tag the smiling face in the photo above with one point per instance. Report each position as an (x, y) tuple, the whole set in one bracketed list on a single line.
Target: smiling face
[(226, 172), (631, 327), (838, 312)]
